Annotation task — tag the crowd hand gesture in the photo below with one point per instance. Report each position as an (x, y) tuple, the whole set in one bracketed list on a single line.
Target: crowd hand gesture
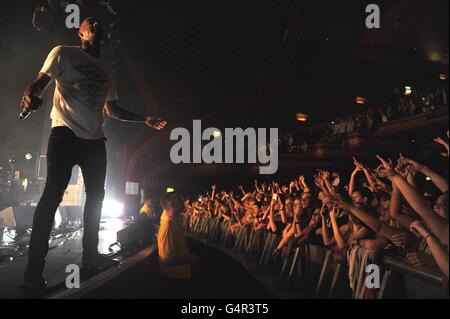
[(318, 181), (155, 122), (358, 165), (411, 165), (322, 212), (301, 179), (292, 184), (386, 169), (325, 175), (444, 143), (335, 210), (403, 171)]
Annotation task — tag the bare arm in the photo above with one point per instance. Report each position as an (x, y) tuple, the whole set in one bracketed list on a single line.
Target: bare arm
[(375, 224), (118, 113), (440, 254), (35, 89), (340, 241), (437, 179), (38, 86), (395, 209), (352, 183), (327, 240), (438, 225)]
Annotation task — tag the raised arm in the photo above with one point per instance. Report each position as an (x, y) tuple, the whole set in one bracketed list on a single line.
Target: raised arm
[(437, 179), (438, 225), (352, 183), (374, 223), (340, 241), (303, 183), (395, 209)]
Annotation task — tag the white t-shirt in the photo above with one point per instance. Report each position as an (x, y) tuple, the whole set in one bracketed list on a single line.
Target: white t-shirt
[(83, 85)]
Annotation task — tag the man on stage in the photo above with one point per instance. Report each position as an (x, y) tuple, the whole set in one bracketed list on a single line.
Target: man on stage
[(84, 89)]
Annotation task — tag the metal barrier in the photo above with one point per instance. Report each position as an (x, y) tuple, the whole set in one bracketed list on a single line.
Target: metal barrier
[(258, 247)]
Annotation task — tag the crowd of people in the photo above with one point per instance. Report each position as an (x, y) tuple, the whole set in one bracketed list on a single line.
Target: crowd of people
[(380, 209), (366, 121)]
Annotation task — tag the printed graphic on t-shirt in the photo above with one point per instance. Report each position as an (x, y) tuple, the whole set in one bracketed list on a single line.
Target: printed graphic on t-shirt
[(94, 82)]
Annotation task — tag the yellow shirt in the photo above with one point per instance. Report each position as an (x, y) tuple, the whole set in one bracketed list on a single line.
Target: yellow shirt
[(146, 210), (172, 243)]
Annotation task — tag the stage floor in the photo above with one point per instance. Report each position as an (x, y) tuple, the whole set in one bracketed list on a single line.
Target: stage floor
[(63, 251)]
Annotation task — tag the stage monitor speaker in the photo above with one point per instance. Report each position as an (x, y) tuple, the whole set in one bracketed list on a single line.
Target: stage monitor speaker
[(7, 219), (71, 213), (140, 232), (24, 215), (21, 217)]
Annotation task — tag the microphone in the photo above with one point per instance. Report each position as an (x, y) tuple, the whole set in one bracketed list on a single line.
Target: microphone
[(36, 102)]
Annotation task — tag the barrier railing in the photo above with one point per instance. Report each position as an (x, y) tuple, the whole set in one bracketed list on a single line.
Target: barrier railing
[(257, 247)]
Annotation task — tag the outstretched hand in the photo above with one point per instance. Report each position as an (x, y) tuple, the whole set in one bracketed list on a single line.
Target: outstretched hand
[(444, 143), (155, 122), (413, 166), (358, 165), (386, 169)]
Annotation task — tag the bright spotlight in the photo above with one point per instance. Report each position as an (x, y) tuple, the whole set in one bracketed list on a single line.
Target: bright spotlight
[(112, 208), (408, 90), (301, 117), (170, 190), (28, 156), (361, 100)]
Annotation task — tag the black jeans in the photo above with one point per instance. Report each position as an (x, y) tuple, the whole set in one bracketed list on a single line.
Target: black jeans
[(64, 151)]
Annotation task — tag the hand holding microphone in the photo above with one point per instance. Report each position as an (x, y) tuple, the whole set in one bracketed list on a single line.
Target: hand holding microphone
[(29, 104)]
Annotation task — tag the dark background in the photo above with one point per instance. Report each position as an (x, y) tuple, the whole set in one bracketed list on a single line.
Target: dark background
[(230, 63)]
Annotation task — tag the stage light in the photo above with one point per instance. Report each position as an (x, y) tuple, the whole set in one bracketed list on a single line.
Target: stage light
[(442, 76), (408, 90), (301, 117), (112, 208), (28, 156), (361, 100), (170, 190), (428, 178)]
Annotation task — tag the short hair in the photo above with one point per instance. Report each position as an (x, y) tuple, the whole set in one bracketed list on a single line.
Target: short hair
[(365, 192), (169, 198)]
